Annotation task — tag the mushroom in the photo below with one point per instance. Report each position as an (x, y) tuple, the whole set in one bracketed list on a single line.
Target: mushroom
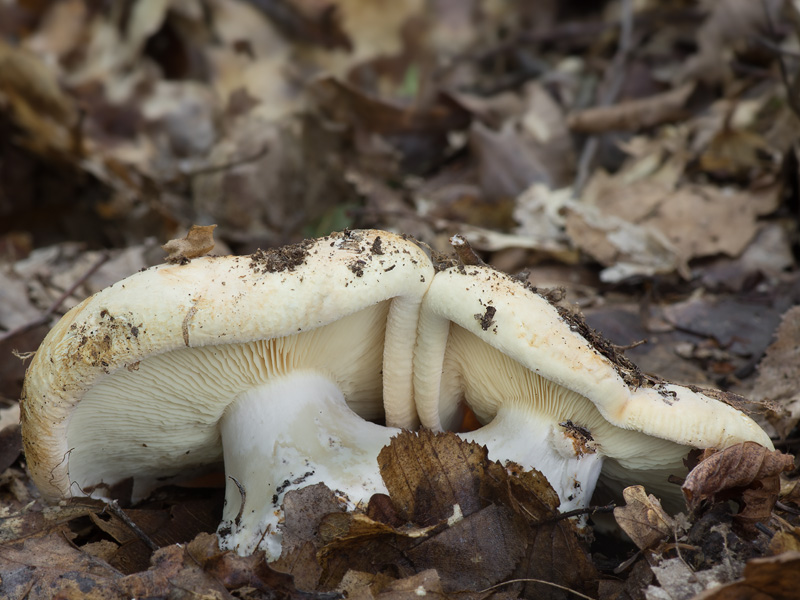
[(269, 363), (551, 394)]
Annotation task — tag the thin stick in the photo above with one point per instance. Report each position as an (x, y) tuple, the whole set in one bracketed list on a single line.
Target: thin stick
[(45, 316), (589, 510), (114, 508), (227, 165), (550, 583)]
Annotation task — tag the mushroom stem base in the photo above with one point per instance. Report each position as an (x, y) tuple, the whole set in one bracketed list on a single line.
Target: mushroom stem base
[(294, 432), (570, 464)]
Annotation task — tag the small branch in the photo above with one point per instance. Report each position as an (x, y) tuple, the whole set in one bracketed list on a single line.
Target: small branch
[(542, 581), (786, 508), (113, 507), (631, 346), (45, 316), (589, 510), (227, 165)]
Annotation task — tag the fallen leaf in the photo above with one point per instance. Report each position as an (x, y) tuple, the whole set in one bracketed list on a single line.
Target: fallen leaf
[(642, 518), (428, 474), (476, 552), (49, 566), (476, 522), (199, 241), (747, 472)]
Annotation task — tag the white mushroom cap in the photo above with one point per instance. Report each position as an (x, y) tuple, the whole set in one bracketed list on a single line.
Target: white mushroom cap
[(489, 342), (133, 382)]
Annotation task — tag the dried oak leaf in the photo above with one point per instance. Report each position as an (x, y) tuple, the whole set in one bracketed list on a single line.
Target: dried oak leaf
[(427, 474), (50, 566), (199, 241), (746, 472), (475, 522), (642, 518)]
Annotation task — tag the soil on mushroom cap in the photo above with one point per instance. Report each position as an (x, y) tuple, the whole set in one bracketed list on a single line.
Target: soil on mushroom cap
[(276, 260)]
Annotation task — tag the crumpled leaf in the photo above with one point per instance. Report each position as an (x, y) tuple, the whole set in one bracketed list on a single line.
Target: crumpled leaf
[(449, 508), (199, 241), (747, 472), (642, 518), (49, 566)]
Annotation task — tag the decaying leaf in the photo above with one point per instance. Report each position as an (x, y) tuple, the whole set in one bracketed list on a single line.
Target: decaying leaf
[(199, 241), (747, 472), (49, 566), (642, 518), (475, 522)]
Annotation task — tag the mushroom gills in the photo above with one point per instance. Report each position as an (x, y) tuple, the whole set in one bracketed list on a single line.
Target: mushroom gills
[(158, 421), (543, 425), (293, 432)]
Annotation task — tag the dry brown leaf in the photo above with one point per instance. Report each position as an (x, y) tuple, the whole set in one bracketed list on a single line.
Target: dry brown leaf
[(785, 541), (746, 471), (199, 241), (482, 522), (428, 474), (49, 566), (476, 552), (642, 518)]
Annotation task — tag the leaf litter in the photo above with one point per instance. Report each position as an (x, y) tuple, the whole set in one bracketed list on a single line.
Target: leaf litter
[(641, 155)]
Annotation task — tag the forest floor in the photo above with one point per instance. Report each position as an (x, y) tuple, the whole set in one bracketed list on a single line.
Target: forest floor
[(641, 156)]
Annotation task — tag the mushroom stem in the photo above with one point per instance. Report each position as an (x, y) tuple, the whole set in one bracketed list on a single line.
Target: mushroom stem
[(293, 432), (569, 460)]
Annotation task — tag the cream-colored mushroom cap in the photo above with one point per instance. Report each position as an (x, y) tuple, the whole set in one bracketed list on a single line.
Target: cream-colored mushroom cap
[(551, 398), (140, 380)]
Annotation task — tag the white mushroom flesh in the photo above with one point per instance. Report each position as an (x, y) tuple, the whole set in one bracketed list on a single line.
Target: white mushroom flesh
[(536, 422), (134, 421), (293, 432)]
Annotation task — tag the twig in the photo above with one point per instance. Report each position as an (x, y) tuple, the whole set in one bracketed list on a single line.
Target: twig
[(786, 508), (589, 510), (542, 581), (114, 508), (630, 346), (616, 75), (45, 316), (226, 166)]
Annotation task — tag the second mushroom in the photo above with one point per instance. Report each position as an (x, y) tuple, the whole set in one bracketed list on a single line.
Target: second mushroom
[(550, 394)]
